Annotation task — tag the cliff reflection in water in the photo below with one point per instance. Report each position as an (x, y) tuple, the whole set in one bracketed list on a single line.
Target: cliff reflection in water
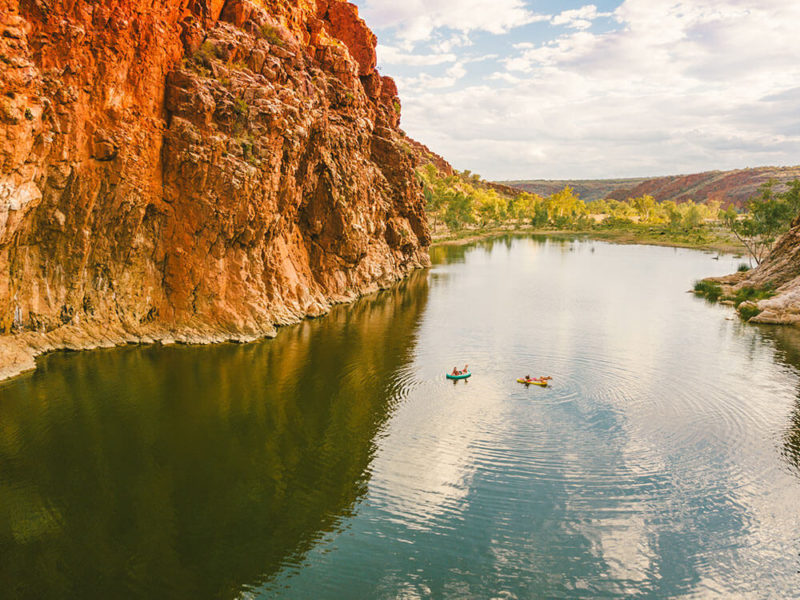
[(787, 351), (192, 472)]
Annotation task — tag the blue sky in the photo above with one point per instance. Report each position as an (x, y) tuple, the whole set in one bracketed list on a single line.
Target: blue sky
[(521, 89)]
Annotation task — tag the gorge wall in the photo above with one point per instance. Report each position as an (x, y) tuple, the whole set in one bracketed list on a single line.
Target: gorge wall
[(193, 170)]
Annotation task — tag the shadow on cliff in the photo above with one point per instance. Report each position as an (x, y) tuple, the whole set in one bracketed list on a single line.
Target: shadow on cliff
[(195, 472)]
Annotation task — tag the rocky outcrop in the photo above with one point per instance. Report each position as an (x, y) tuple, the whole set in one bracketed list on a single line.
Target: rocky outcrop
[(193, 170), (428, 156), (780, 272)]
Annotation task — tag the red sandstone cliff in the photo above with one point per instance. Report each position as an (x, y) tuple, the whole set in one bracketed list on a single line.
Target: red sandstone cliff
[(193, 170)]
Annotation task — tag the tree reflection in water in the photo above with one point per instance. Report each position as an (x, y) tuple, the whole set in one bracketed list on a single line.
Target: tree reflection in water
[(193, 472)]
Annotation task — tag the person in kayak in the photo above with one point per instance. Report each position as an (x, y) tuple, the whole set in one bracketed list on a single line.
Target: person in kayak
[(455, 372)]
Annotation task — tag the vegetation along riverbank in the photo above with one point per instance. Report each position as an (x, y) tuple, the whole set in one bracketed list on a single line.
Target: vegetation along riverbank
[(461, 208)]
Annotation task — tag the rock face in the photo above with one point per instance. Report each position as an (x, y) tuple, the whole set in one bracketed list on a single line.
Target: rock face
[(780, 271), (193, 170)]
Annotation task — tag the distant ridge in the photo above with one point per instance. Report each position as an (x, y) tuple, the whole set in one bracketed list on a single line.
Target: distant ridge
[(728, 187)]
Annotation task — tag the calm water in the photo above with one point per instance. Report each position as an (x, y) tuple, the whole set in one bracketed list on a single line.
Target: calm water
[(337, 462)]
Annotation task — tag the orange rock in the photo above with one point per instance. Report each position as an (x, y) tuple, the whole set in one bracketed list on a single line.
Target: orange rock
[(194, 171), (347, 26)]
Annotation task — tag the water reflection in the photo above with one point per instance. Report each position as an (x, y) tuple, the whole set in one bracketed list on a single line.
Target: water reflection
[(192, 472), (645, 470), (337, 461), (787, 351)]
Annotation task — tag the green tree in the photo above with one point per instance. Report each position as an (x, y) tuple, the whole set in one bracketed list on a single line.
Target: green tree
[(693, 215), (644, 205), (769, 215), (460, 210)]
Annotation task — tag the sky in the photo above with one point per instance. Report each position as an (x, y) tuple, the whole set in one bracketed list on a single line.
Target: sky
[(539, 89)]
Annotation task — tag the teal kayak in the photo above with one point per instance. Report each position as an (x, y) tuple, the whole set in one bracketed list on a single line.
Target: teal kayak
[(464, 376)]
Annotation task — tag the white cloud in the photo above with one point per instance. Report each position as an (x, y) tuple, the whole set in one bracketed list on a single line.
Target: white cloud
[(579, 18), (429, 82), (389, 55), (457, 71), (455, 41), (416, 20), (677, 87)]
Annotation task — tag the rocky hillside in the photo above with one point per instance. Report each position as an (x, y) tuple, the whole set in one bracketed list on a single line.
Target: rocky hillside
[(587, 189), (193, 170), (780, 272), (728, 187)]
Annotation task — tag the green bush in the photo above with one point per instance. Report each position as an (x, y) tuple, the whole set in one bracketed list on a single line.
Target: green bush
[(240, 107), (743, 267), (752, 294), (748, 311), (207, 51), (708, 289), (272, 35), (238, 65)]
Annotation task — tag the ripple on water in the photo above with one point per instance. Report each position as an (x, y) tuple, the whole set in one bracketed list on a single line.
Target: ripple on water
[(650, 467)]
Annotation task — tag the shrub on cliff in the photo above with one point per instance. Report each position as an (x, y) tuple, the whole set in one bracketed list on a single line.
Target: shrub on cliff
[(769, 216), (271, 34)]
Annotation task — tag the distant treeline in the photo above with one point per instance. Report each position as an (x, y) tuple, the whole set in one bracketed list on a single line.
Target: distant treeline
[(465, 200)]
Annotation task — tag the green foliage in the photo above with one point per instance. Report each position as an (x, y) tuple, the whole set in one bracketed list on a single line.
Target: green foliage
[(208, 51), (249, 150), (271, 34), (240, 107), (751, 294), (397, 106), (743, 267), (239, 65), (540, 217), (693, 217), (562, 210), (708, 289), (29, 114), (769, 215), (748, 311), (201, 60), (197, 66), (459, 211), (464, 199)]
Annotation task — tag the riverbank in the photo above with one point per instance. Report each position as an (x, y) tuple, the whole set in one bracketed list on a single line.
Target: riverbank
[(713, 240), (19, 351)]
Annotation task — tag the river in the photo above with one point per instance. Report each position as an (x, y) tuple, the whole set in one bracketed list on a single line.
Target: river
[(336, 461)]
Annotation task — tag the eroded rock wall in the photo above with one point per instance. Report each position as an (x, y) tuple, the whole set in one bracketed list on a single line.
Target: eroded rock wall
[(193, 170), (780, 271)]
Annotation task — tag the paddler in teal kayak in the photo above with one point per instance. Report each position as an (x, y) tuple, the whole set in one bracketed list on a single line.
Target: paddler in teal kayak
[(456, 372)]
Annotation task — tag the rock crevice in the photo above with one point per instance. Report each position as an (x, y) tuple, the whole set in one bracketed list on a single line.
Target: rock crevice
[(195, 170)]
